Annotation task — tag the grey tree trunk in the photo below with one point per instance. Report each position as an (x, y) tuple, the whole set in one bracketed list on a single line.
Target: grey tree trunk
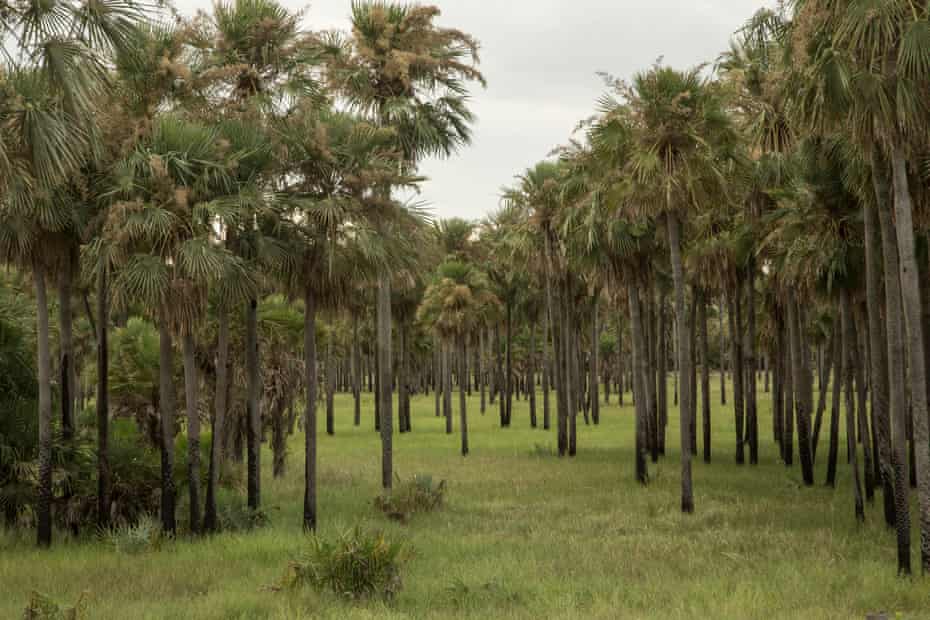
[(705, 374), (916, 362), (210, 523), (723, 357), (44, 499), (822, 397), (192, 400), (103, 400), (330, 378), (310, 455), (685, 361), (463, 387), (897, 399), (836, 355), (356, 374), (447, 385), (166, 404), (801, 382), (508, 379), (662, 371), (594, 371), (482, 387), (254, 415), (66, 357), (385, 361), (788, 430), (849, 345), (531, 375), (862, 421), (752, 420), (639, 380), (736, 368), (545, 374)]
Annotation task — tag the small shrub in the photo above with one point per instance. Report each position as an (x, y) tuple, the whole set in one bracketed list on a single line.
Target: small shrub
[(41, 607), (419, 494), (542, 451), (358, 565), (143, 536), (236, 517)]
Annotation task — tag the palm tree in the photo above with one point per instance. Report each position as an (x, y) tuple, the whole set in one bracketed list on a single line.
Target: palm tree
[(454, 306), (677, 118), (405, 72)]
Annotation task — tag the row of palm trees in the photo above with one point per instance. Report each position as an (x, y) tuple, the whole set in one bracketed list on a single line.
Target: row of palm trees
[(190, 166), (236, 155)]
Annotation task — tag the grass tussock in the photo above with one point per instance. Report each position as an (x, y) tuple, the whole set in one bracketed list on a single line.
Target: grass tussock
[(408, 497)]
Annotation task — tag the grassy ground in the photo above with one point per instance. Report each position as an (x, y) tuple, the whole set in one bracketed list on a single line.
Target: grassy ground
[(524, 535)]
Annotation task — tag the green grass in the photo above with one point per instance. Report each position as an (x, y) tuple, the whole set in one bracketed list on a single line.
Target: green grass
[(524, 535)]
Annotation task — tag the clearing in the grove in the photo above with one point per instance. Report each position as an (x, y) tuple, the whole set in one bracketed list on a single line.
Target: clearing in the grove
[(523, 534)]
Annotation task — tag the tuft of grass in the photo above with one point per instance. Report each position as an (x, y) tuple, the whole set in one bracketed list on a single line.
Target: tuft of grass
[(357, 565), (418, 494), (42, 607), (132, 539)]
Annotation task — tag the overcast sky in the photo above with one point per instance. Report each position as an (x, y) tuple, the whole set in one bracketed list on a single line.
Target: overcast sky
[(540, 58)]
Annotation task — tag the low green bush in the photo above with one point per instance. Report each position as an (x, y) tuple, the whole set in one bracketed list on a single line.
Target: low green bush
[(133, 538), (357, 565), (418, 494), (41, 607)]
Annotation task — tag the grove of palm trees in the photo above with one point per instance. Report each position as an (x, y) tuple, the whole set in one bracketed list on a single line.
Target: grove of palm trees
[(679, 369)]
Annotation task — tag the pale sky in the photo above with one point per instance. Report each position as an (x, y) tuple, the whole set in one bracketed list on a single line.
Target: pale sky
[(541, 59)]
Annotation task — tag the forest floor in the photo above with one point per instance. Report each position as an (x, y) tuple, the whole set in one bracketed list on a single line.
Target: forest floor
[(524, 534)]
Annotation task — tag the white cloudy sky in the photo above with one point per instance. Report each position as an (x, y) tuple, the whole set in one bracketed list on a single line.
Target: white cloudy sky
[(540, 58)]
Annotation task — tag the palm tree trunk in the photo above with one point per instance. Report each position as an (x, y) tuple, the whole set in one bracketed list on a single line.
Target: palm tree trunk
[(482, 384), (463, 386), (218, 431), (778, 388), (356, 374), (545, 374), (916, 362), (531, 374), (66, 345), (822, 397), (499, 371), (438, 382), (310, 370), (330, 378), (705, 373), (788, 429), (44, 500), (103, 401), (801, 382), (849, 345), (662, 348), (385, 361), (836, 355), (508, 380), (594, 373), (402, 378), (166, 404), (254, 421), (897, 395), (447, 385), (752, 420), (685, 361), (192, 400), (736, 368), (723, 357), (639, 380), (692, 334), (862, 420)]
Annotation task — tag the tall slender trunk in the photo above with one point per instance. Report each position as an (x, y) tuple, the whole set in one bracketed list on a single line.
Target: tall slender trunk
[(482, 387), (254, 425), (594, 372), (463, 387), (752, 420), (508, 379), (166, 404), (386, 375), (662, 370), (685, 361), (778, 391), (801, 383), (447, 385), (310, 372), (438, 383), (705, 373), (692, 334), (897, 395), (639, 380), (330, 378), (862, 420), (103, 400), (531, 374), (44, 500), (736, 367), (545, 374), (554, 321), (192, 401), (836, 355), (849, 346), (916, 362), (402, 379), (723, 357), (788, 429), (66, 357), (822, 397), (356, 374), (501, 390), (218, 431)]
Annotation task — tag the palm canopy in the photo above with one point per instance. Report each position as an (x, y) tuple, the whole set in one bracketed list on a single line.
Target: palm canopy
[(458, 301)]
